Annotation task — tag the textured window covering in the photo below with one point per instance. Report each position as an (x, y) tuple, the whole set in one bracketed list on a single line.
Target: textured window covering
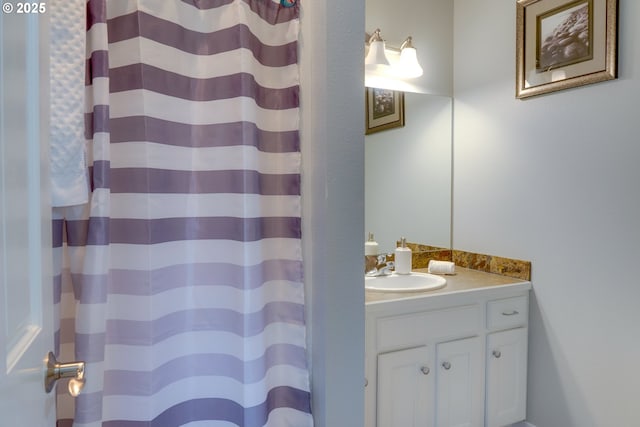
[(180, 281)]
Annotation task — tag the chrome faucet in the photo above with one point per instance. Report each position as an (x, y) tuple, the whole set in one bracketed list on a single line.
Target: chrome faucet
[(382, 266)]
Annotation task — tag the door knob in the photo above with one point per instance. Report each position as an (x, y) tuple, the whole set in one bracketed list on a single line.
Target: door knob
[(55, 371)]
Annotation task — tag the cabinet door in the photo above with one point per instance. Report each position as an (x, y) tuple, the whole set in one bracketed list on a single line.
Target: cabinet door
[(459, 400), (405, 388), (506, 377)]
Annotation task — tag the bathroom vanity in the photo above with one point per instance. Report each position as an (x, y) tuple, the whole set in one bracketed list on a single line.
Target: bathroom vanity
[(455, 356)]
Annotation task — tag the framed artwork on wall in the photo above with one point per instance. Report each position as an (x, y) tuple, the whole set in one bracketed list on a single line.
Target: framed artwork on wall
[(562, 44), (384, 109)]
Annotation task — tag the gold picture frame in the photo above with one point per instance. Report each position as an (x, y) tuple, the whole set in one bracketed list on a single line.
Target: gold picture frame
[(562, 44), (384, 109)]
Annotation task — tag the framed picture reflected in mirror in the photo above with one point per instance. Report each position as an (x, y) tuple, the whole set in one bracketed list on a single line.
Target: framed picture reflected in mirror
[(384, 109)]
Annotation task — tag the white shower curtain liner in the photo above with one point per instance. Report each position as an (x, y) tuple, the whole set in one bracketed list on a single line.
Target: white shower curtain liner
[(180, 282)]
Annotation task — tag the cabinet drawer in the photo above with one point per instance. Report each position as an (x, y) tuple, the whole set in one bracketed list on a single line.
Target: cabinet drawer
[(419, 328), (508, 313)]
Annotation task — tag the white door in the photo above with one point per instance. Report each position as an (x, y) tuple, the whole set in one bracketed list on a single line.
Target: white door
[(26, 302)]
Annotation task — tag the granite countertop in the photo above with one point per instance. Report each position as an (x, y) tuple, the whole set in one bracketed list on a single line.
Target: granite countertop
[(465, 279)]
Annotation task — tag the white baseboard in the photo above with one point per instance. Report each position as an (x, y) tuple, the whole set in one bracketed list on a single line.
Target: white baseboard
[(523, 424)]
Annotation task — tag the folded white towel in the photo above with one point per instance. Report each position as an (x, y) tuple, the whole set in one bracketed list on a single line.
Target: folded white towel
[(69, 184), (442, 267)]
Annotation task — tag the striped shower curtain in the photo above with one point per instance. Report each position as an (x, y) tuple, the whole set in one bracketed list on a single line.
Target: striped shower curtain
[(180, 282)]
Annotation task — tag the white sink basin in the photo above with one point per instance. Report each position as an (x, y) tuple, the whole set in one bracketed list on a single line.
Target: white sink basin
[(412, 282)]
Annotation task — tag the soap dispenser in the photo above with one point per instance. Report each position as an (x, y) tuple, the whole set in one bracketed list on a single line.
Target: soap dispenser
[(403, 258), (371, 246)]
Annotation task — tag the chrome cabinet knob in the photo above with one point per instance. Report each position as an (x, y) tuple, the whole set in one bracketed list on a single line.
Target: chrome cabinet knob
[(425, 370), (446, 365), (54, 371), (496, 354)]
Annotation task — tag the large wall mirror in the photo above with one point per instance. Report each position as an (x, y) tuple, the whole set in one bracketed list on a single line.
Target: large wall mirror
[(408, 170)]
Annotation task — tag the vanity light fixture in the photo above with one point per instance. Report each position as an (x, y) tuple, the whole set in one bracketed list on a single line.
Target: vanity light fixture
[(404, 61), (389, 67)]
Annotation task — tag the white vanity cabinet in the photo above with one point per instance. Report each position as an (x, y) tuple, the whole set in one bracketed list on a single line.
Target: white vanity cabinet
[(459, 383), (412, 381), (506, 361), (448, 359), (405, 386)]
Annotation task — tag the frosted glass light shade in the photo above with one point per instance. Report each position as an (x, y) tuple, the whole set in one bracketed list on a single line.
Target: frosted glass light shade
[(409, 67), (376, 59)]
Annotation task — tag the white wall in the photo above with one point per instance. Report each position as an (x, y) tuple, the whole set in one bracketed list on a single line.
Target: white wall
[(332, 132), (556, 180)]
